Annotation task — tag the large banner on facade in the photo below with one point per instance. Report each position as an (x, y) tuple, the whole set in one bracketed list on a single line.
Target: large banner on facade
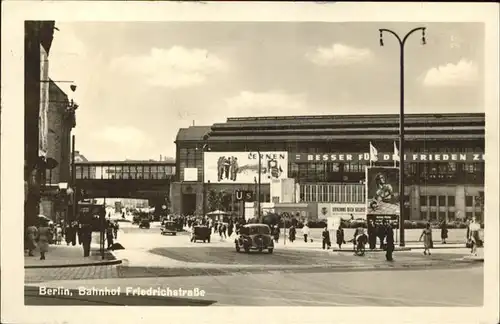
[(243, 167), (43, 128), (382, 191), (342, 157)]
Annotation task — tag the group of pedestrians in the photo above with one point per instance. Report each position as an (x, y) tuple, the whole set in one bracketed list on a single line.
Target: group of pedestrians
[(44, 233)]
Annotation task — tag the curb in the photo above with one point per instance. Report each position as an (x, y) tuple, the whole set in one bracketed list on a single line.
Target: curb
[(113, 261), (74, 265)]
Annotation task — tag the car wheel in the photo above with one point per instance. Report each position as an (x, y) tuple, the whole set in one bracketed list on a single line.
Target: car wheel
[(260, 250), (270, 251), (247, 249), (237, 247), (209, 240)]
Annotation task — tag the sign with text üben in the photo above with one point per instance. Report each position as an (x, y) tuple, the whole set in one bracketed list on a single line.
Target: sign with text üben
[(382, 191), (243, 167)]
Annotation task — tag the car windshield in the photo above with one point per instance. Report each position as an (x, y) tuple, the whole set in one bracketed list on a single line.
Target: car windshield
[(258, 230)]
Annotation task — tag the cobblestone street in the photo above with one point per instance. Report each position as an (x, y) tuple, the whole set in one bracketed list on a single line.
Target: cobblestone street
[(70, 273)]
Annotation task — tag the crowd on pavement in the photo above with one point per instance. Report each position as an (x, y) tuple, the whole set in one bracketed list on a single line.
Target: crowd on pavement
[(40, 236)]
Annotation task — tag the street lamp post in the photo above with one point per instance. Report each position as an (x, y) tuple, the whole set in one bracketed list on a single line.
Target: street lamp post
[(259, 180), (205, 148), (402, 43)]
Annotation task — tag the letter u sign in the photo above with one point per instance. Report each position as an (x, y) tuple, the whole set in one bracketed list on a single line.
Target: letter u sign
[(238, 195)]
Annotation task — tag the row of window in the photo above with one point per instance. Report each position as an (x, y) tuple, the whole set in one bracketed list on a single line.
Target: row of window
[(449, 216), (470, 201), (124, 172), (334, 193), (314, 148)]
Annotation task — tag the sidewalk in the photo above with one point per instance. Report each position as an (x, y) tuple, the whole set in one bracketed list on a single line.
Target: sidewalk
[(60, 256)]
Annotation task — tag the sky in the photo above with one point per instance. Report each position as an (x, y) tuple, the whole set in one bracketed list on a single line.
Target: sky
[(139, 82)]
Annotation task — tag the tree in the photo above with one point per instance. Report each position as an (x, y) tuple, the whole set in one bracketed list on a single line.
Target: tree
[(215, 200)]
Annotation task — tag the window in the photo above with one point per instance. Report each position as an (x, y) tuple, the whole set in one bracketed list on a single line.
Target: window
[(468, 215), (423, 200), (442, 216), (469, 200), (432, 215), (432, 200), (451, 200), (451, 216), (478, 214), (423, 215), (442, 200)]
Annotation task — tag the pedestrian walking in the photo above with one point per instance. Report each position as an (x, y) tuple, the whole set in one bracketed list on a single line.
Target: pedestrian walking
[(444, 231), (230, 227), (291, 233), (340, 236), (474, 238), (116, 227), (389, 242), (372, 235), (109, 234), (427, 237), (58, 234), (31, 237), (221, 233), (67, 233), (75, 228), (86, 238), (326, 243), (305, 232), (276, 233), (44, 235), (380, 230)]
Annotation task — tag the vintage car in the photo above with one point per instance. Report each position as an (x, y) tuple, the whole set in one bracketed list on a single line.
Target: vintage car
[(202, 233), (254, 237), (144, 223), (169, 227)]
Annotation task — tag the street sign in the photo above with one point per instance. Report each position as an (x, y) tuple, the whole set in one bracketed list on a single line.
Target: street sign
[(243, 195)]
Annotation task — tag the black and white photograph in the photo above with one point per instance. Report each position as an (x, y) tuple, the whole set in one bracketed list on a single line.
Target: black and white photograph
[(208, 160)]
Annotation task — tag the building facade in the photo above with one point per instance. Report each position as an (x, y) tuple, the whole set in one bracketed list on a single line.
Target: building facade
[(327, 157), (38, 38), (60, 121)]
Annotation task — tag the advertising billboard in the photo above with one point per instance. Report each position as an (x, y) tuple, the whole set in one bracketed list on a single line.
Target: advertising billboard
[(243, 167), (382, 191)]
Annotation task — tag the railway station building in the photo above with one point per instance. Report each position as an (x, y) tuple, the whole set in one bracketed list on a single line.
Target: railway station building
[(321, 161)]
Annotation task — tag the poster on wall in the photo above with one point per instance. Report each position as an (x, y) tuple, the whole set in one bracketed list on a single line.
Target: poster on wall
[(243, 167), (190, 174), (382, 190)]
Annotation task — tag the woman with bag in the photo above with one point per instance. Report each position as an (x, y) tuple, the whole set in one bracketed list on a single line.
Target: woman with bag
[(427, 235)]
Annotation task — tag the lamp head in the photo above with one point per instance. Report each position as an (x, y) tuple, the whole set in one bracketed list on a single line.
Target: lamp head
[(73, 87)]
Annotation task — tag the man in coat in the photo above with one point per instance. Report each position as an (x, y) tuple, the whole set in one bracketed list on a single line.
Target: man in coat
[(326, 239), (389, 241), (372, 234)]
